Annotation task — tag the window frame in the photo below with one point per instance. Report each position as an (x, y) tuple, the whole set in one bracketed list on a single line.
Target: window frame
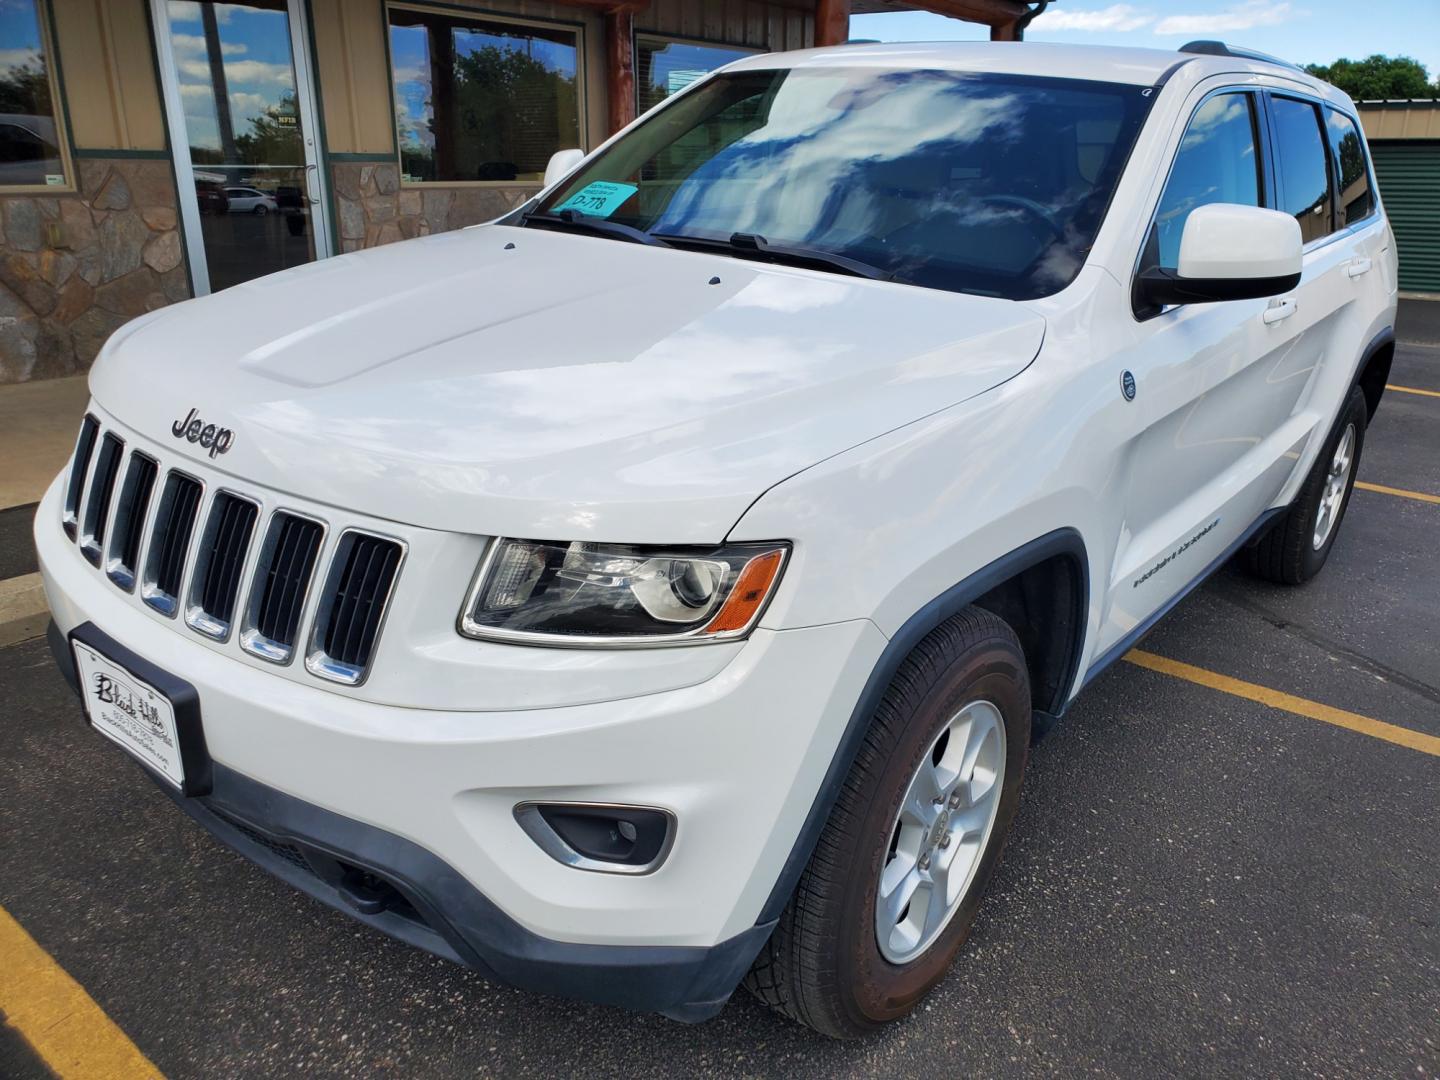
[(51, 56), (582, 96), (676, 39), (1337, 179), (1269, 177)]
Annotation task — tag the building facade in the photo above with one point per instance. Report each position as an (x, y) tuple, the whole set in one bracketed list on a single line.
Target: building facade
[(154, 150), (1404, 138)]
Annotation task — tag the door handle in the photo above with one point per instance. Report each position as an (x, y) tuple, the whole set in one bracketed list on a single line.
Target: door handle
[(1279, 309), (1358, 267)]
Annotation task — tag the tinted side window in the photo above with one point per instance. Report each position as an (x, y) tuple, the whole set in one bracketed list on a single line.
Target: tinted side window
[(1304, 168), (1356, 200), (1218, 162)]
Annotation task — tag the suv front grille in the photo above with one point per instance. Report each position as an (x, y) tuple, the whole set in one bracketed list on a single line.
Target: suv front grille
[(270, 601)]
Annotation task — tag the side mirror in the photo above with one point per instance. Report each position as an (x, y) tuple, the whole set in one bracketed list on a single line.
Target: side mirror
[(562, 163), (1227, 252)]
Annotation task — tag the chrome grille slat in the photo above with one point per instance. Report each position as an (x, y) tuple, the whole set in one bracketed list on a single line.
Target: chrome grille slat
[(283, 575), (170, 541), (362, 577), (102, 492), (215, 588), (79, 469), (130, 516)]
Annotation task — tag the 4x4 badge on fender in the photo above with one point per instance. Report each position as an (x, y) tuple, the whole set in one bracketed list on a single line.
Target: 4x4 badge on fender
[(1127, 386), (217, 440)]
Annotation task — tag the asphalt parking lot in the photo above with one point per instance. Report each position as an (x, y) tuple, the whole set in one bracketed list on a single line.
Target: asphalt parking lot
[(1207, 876)]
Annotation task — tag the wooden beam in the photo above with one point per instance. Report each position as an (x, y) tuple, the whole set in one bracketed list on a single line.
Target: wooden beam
[(620, 67), (832, 22), (1005, 32), (993, 13)]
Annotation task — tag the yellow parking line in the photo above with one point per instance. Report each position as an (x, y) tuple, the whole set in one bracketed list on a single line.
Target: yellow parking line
[(60, 1021), (1276, 699), (1419, 496), (1412, 390)]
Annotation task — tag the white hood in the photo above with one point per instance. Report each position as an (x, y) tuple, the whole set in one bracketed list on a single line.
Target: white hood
[(565, 387)]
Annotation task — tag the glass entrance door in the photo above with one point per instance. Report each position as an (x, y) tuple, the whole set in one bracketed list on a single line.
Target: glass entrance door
[(241, 119)]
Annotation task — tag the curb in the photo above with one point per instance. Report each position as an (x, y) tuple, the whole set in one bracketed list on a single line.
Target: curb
[(23, 611)]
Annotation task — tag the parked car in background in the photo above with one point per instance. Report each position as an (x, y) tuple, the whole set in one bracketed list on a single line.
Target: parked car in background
[(658, 588), (249, 200)]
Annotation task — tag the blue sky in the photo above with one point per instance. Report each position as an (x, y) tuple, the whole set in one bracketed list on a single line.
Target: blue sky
[(1305, 31)]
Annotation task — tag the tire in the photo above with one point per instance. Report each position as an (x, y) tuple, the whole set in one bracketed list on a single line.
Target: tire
[(825, 965), (1293, 550), (260, 210)]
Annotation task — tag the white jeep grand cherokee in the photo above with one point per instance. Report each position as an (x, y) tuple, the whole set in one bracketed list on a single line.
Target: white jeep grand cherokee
[(662, 584)]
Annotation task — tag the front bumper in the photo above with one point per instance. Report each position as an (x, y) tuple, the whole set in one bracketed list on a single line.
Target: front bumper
[(322, 786)]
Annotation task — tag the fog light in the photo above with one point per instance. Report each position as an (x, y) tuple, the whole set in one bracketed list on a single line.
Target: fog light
[(605, 837)]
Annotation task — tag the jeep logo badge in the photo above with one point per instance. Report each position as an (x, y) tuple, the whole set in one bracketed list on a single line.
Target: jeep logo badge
[(192, 429)]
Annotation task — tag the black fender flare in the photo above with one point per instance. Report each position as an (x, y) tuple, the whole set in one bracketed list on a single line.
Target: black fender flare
[(1063, 542)]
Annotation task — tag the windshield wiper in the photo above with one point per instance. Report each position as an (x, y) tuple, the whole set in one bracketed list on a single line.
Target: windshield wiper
[(754, 246), (573, 219)]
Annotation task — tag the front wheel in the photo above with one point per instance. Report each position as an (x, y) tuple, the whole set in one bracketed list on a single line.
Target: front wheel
[(893, 887), (1294, 549)]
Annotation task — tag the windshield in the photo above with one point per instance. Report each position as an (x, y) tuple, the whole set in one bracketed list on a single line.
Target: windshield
[(978, 183)]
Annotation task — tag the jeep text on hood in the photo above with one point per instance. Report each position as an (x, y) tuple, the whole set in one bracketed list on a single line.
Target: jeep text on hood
[(530, 383)]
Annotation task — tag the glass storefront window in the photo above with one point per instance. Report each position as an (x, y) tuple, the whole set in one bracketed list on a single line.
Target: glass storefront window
[(31, 144), (482, 99), (667, 67)]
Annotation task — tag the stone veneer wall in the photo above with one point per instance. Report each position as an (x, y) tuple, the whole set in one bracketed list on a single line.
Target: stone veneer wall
[(75, 266), (374, 209)]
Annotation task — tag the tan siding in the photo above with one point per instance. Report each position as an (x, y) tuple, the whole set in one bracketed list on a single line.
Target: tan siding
[(1418, 121), (108, 69), (350, 53)]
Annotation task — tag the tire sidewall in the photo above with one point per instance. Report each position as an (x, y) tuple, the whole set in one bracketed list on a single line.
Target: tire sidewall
[(877, 990)]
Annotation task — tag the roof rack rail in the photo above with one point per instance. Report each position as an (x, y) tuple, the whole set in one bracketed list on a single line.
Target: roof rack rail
[(1219, 48)]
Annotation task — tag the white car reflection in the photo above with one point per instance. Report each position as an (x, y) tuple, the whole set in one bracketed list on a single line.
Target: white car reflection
[(248, 200)]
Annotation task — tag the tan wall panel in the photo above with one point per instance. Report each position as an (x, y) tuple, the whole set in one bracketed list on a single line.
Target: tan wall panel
[(354, 84), (1401, 122), (107, 67)]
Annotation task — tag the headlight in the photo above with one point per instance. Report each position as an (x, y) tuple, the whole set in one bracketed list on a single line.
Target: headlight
[(617, 594)]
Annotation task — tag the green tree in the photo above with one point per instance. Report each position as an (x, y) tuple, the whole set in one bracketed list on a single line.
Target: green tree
[(1378, 77)]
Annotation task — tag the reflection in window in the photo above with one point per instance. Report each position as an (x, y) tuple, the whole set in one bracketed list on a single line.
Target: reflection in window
[(1356, 202), (667, 67), (29, 139), (477, 99), (1304, 169), (1216, 163), (990, 184)]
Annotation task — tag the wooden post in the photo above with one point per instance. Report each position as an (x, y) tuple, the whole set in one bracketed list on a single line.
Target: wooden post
[(620, 67), (832, 22), (1005, 32)]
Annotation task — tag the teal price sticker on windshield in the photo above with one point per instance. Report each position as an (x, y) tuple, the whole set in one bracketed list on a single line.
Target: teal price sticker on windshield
[(599, 198)]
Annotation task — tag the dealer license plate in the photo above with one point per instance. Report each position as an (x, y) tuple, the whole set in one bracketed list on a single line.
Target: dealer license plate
[(131, 712)]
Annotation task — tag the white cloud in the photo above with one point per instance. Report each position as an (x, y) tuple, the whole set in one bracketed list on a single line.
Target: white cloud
[(1246, 16), (1114, 17), (251, 72), (189, 45), (189, 11), (14, 58)]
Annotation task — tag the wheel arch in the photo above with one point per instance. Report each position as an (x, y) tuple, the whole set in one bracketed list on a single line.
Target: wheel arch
[(1373, 371), (1047, 572)]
